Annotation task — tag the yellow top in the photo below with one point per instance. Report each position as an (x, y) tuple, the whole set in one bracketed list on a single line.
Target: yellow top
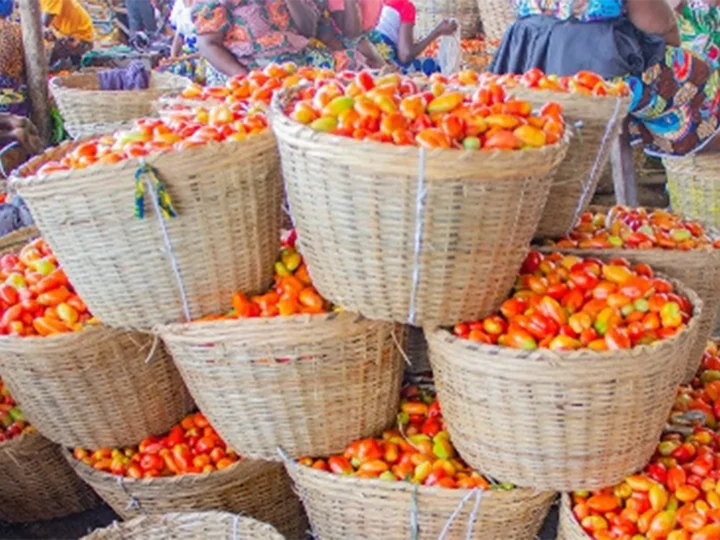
[(71, 20)]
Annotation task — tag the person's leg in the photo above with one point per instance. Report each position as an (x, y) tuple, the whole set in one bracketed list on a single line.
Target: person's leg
[(141, 17)]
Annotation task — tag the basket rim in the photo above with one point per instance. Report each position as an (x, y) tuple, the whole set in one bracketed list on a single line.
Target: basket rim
[(5, 446), (276, 114), (56, 338), (408, 487), (578, 355), (180, 479), (56, 83), (707, 251), (20, 178), (565, 502)]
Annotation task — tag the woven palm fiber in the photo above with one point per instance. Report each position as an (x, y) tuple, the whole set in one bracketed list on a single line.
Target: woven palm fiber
[(188, 526), (225, 237), (37, 483), (416, 351), (343, 507), (694, 188), (253, 488), (697, 269), (307, 383), (496, 16), (83, 105), (568, 526), (558, 420), (429, 13), (383, 239), (101, 387), (577, 177)]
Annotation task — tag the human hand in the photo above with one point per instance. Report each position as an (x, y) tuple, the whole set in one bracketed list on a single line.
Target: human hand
[(22, 130), (447, 27)]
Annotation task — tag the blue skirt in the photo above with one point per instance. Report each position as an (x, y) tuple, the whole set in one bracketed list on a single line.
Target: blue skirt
[(388, 50)]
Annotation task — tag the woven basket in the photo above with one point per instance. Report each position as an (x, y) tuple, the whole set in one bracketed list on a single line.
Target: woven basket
[(87, 110), (699, 270), (434, 247), (37, 483), (429, 13), (257, 403), (497, 16), (101, 387), (133, 272), (416, 351), (188, 526), (257, 489), (343, 507), (577, 177), (568, 526), (558, 420), (694, 189)]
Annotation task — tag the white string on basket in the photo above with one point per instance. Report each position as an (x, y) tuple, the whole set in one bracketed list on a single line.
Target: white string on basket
[(153, 348), (609, 130), (473, 516), (168, 245), (399, 348), (133, 503), (419, 222), (414, 525)]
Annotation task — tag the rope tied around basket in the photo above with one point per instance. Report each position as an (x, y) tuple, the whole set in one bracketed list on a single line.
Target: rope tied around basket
[(420, 200), (594, 171), (133, 503), (162, 204), (473, 515)]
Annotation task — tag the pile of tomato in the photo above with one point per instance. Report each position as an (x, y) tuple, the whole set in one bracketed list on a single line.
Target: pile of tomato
[(12, 422), (584, 83), (292, 294), (622, 227), (392, 109), (564, 302), (418, 451), (191, 447), (36, 298), (677, 496)]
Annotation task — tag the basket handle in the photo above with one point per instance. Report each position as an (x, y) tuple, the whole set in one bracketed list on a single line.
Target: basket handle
[(4, 151)]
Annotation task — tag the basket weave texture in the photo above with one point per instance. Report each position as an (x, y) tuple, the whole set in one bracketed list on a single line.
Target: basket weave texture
[(188, 526), (694, 190), (404, 234), (496, 16), (37, 483), (568, 526), (577, 177), (558, 420), (697, 269), (429, 13), (101, 387), (307, 383), (225, 237), (257, 489), (342, 507), (84, 107)]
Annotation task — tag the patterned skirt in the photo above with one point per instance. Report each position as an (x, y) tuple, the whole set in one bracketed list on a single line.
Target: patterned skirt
[(388, 50), (699, 25)]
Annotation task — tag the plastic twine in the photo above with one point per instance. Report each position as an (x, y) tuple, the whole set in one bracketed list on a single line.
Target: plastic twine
[(419, 219), (163, 208), (594, 171), (4, 151), (473, 516), (399, 348), (414, 525), (133, 503)]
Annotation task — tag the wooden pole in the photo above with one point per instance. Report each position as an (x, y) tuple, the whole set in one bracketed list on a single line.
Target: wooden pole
[(36, 65)]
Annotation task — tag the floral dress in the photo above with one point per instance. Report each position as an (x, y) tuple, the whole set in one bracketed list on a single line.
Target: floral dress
[(259, 32), (675, 107), (699, 25)]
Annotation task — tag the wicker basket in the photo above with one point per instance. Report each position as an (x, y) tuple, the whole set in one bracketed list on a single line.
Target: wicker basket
[(429, 13), (257, 403), (87, 110), (699, 270), (343, 507), (140, 272), (497, 16), (188, 526), (558, 420), (37, 483), (101, 387), (431, 247), (568, 526), (694, 189), (577, 177), (257, 489)]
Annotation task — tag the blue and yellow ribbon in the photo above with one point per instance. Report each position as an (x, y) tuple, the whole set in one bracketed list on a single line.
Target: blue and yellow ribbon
[(163, 197)]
